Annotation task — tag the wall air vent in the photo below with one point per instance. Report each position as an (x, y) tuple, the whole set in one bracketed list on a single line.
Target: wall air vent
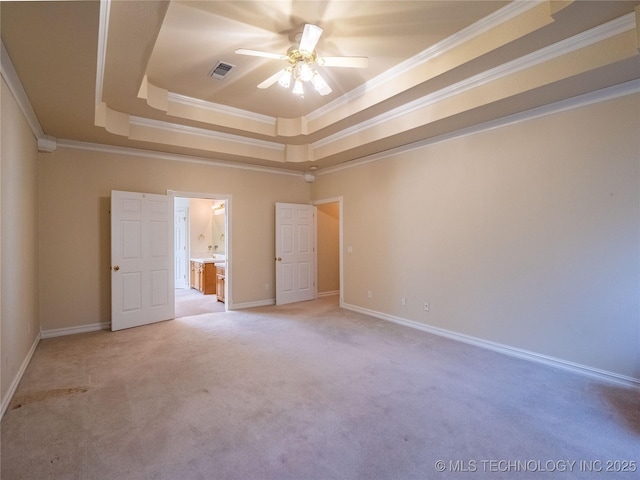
[(220, 70)]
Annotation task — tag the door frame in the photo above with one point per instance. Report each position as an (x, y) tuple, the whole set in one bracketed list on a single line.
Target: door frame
[(340, 201), (227, 197), (187, 252)]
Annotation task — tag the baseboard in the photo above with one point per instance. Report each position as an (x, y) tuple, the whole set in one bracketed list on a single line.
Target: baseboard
[(60, 332), (328, 294), (16, 381), (603, 375), (259, 303)]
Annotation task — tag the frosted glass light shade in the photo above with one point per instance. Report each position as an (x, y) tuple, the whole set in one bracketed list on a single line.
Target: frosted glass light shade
[(298, 89)]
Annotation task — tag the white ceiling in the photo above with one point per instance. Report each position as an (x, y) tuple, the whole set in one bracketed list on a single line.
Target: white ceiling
[(135, 74)]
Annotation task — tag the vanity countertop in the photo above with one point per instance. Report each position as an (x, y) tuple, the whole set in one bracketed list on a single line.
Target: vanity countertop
[(203, 260), (218, 260)]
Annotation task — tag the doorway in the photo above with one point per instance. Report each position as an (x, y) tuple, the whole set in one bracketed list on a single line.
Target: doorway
[(202, 254), (329, 247)]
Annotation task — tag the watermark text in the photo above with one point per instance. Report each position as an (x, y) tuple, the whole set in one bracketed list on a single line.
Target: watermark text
[(516, 466)]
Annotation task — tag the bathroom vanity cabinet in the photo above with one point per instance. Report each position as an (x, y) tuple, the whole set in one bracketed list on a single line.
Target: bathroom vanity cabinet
[(203, 277)]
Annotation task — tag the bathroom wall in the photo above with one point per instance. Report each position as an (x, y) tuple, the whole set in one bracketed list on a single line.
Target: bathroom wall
[(205, 229), (200, 227)]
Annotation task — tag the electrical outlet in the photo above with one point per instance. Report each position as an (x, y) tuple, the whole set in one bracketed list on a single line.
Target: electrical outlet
[(427, 307), (267, 286), (404, 302), (369, 294)]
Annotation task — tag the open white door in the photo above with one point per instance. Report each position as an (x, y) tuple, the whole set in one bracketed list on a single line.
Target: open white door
[(142, 256), (295, 255)]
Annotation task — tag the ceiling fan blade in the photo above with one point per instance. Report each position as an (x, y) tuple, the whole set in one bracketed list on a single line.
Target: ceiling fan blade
[(257, 53), (310, 36), (345, 62), (272, 79)]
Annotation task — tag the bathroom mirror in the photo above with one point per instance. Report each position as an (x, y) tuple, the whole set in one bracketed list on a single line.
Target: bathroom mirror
[(217, 226)]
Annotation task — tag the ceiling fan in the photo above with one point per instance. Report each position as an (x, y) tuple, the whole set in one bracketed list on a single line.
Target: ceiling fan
[(302, 61)]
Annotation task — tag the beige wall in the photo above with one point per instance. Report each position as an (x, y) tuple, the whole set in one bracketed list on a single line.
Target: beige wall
[(75, 188), (19, 323), (328, 247), (525, 235)]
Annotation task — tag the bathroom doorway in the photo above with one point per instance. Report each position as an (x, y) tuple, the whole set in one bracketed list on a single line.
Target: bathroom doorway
[(202, 253)]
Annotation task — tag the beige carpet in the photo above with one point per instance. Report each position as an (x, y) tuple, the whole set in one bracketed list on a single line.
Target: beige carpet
[(191, 302), (305, 391)]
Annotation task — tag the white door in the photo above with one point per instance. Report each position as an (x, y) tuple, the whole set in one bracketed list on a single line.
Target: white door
[(295, 253), (180, 248), (142, 288)]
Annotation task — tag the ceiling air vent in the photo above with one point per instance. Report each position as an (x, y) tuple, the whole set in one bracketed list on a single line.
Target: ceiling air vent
[(220, 70)]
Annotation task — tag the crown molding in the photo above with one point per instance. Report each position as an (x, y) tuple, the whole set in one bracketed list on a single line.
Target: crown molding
[(506, 13), (201, 132), (219, 108), (571, 44), (103, 32), (502, 15), (582, 40), (199, 110), (10, 76), (174, 157), (45, 143), (603, 95)]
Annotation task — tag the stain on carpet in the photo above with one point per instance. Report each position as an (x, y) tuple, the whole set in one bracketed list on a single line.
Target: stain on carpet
[(32, 397)]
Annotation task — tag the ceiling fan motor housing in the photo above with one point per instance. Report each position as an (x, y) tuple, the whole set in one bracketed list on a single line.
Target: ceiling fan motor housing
[(295, 55)]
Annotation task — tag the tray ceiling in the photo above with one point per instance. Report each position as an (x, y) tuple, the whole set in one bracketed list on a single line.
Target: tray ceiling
[(135, 74)]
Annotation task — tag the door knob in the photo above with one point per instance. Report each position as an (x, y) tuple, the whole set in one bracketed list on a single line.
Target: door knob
[(116, 268), (279, 259)]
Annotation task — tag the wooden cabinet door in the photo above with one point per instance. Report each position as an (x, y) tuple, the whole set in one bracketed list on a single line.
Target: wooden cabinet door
[(209, 279)]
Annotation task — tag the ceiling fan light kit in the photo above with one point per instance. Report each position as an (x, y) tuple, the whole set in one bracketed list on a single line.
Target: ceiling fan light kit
[(285, 78), (302, 60), (298, 89), (320, 85)]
